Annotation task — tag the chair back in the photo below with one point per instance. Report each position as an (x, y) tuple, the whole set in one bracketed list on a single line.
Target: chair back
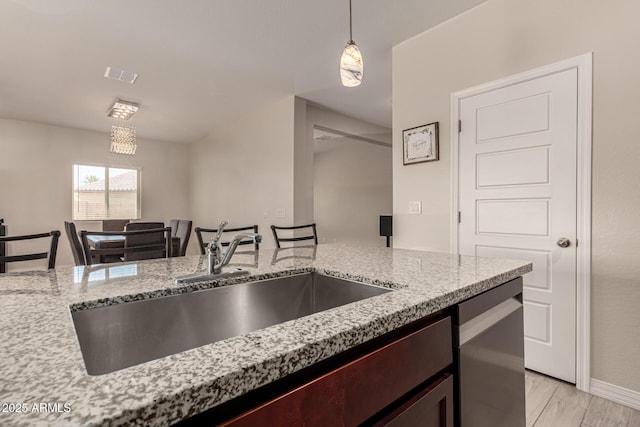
[(3, 232), (279, 231), (74, 241), (146, 239), (138, 244), (181, 228), (50, 255), (203, 243), (115, 224)]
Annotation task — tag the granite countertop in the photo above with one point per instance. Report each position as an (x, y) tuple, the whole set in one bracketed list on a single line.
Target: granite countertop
[(41, 362)]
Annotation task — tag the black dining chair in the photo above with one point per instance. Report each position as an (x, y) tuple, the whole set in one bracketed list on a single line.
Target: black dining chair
[(74, 241), (278, 232), (3, 232), (181, 228), (50, 255), (157, 238), (138, 244), (203, 243)]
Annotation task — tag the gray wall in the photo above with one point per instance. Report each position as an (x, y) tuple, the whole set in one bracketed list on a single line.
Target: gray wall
[(503, 37)]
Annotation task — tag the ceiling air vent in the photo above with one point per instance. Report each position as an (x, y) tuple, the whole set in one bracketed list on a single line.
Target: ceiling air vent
[(121, 75)]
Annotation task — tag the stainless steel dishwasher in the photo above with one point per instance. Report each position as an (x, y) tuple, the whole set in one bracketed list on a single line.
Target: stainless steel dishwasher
[(489, 341)]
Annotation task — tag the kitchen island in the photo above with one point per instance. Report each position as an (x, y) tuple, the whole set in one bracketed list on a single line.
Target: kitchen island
[(43, 376)]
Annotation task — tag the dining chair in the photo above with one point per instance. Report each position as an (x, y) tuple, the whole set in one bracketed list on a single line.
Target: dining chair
[(115, 224), (156, 238), (181, 228), (50, 255), (203, 243), (277, 233), (74, 241), (138, 244), (3, 232)]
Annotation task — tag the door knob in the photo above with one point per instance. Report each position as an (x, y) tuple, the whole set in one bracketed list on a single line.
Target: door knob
[(563, 242)]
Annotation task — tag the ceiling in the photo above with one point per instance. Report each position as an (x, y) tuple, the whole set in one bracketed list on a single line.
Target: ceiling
[(200, 62)]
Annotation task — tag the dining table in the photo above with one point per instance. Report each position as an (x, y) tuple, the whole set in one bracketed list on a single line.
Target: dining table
[(113, 242)]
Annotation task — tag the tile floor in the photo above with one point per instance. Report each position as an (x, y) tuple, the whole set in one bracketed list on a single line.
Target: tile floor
[(553, 403)]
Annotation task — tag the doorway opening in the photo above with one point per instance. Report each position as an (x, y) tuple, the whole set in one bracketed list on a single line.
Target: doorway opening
[(352, 186)]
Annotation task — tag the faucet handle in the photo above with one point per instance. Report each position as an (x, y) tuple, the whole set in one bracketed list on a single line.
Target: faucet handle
[(221, 227)]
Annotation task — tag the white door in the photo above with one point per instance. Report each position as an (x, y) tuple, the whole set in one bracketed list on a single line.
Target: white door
[(517, 198)]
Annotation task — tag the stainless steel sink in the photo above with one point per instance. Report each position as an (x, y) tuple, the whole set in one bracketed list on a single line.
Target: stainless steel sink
[(122, 335)]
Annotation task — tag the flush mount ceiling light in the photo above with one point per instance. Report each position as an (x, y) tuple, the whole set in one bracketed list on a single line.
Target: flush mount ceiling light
[(123, 109), (351, 68), (123, 135)]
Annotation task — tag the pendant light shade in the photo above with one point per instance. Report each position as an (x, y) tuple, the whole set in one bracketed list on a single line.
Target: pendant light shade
[(351, 66), (123, 139)]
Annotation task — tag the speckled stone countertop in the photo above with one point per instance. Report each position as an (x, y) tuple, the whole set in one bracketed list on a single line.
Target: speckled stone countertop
[(41, 362)]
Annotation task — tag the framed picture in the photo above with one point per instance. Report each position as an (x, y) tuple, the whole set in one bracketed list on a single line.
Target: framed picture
[(420, 144)]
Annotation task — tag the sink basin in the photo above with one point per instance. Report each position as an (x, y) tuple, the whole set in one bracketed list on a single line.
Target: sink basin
[(122, 335)]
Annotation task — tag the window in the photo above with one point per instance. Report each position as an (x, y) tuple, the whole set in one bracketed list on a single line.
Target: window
[(101, 192)]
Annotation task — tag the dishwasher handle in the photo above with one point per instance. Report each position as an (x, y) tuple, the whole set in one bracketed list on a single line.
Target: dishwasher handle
[(474, 327)]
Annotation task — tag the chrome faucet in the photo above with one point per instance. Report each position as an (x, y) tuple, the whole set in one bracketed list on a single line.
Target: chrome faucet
[(216, 259)]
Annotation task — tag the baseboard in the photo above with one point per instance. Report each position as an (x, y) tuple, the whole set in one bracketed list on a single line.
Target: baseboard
[(615, 393)]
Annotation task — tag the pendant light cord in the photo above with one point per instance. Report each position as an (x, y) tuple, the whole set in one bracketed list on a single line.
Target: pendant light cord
[(350, 24)]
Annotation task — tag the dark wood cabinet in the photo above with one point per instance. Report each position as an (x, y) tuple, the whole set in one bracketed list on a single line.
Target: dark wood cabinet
[(431, 406), (403, 379)]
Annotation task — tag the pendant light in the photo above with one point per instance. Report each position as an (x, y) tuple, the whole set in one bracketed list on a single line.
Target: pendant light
[(123, 135), (351, 68)]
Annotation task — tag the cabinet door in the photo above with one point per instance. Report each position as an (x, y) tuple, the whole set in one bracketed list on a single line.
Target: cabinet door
[(430, 407), (351, 394)]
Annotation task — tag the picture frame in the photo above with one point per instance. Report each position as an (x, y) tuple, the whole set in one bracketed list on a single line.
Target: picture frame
[(420, 144)]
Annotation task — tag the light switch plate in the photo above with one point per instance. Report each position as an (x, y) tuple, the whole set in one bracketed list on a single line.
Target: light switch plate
[(415, 207), (280, 213)]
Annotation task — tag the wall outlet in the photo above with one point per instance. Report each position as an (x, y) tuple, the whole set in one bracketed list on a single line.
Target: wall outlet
[(415, 207), (265, 213), (280, 213)]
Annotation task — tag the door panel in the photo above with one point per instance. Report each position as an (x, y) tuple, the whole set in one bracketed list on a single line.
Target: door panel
[(517, 117), (502, 168), (511, 216), (539, 321), (539, 278), (518, 197)]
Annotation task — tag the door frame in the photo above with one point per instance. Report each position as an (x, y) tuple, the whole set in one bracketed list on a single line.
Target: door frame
[(583, 64)]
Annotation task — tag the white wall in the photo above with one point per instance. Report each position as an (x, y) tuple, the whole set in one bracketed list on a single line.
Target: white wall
[(244, 171), (504, 37), (36, 176), (352, 187)]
